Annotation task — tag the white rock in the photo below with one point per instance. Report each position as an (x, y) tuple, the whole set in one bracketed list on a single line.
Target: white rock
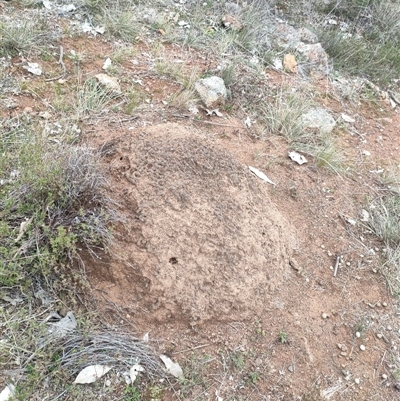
[(362, 347), (109, 82), (319, 119), (212, 91), (364, 215), (7, 393), (107, 63), (47, 4), (33, 68), (347, 118)]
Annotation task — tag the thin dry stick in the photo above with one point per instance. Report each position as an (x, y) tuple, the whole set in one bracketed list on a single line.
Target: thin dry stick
[(61, 62), (336, 265), (191, 349)]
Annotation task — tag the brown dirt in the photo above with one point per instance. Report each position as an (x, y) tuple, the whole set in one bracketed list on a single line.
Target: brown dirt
[(207, 243), (216, 264)]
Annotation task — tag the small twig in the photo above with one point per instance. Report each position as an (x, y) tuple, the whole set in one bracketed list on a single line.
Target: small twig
[(336, 265), (61, 62), (212, 123), (205, 122), (191, 349)]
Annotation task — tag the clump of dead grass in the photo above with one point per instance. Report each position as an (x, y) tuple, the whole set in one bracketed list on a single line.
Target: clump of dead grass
[(283, 114), (385, 223), (23, 34), (47, 363), (52, 198)]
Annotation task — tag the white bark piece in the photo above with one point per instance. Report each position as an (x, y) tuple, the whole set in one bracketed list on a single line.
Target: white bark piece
[(347, 118), (261, 175), (7, 393), (33, 68), (134, 371), (297, 157), (172, 367), (91, 373), (47, 4), (107, 63)]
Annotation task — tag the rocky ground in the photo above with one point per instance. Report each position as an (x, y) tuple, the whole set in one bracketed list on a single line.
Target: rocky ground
[(262, 287)]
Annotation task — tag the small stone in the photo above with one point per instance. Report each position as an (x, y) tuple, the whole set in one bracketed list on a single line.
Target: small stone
[(362, 347), (324, 315), (290, 63), (378, 304), (107, 383), (346, 374), (389, 328), (357, 380), (384, 304), (323, 246), (379, 335), (358, 334), (110, 83), (212, 91), (384, 377), (347, 263), (230, 22)]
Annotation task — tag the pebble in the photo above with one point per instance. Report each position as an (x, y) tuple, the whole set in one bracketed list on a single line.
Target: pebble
[(379, 335), (362, 347), (384, 377), (324, 315), (347, 263), (358, 334), (389, 328), (384, 304), (107, 383), (357, 380)]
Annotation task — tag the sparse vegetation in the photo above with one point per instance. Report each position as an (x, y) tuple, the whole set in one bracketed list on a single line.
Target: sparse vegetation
[(385, 223), (284, 116), (55, 208), (283, 337), (26, 36)]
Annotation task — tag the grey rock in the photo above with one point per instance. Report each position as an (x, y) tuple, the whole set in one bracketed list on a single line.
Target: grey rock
[(318, 119), (233, 8), (212, 91), (316, 56), (110, 83), (306, 36)]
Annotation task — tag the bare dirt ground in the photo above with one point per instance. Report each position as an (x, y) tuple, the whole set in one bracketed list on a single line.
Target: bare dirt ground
[(233, 277)]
